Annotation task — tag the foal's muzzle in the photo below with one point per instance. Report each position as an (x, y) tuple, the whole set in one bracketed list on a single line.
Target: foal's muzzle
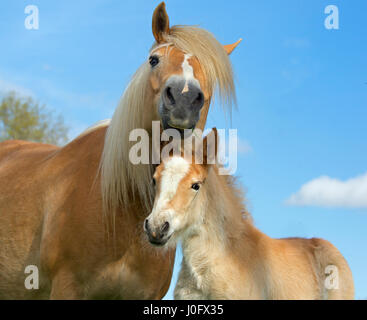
[(181, 103), (157, 235)]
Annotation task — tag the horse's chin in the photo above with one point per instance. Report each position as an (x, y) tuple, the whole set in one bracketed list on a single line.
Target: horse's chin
[(187, 126), (182, 130)]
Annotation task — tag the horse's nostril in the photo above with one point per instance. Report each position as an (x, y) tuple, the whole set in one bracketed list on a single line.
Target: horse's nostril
[(169, 95), (146, 224), (165, 227), (199, 100)]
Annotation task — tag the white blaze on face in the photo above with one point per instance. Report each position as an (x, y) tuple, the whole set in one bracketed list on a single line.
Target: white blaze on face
[(175, 169), (188, 73)]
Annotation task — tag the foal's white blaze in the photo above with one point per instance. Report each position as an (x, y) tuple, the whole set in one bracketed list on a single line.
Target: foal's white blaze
[(188, 73), (175, 169)]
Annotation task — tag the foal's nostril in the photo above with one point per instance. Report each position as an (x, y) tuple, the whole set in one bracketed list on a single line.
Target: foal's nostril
[(169, 95), (165, 227)]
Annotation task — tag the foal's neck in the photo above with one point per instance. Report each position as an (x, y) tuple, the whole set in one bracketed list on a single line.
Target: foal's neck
[(224, 222), (214, 245)]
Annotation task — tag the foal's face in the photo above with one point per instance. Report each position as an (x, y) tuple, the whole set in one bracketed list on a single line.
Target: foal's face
[(178, 186), (178, 85)]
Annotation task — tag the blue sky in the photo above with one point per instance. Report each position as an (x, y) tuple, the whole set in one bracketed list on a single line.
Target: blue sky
[(301, 89)]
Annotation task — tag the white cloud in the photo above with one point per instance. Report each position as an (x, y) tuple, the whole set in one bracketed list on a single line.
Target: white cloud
[(329, 192), (8, 86)]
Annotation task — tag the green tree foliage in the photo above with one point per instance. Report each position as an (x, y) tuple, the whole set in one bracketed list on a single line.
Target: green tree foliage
[(25, 119)]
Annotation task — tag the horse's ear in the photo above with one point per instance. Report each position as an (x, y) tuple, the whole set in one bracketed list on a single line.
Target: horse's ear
[(230, 47), (160, 22), (210, 147)]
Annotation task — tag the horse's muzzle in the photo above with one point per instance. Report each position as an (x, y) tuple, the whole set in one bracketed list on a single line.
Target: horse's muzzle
[(181, 103)]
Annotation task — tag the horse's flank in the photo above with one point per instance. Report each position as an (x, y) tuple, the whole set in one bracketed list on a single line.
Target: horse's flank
[(64, 236)]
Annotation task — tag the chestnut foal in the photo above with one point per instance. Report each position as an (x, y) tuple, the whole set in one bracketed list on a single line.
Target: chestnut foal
[(224, 255)]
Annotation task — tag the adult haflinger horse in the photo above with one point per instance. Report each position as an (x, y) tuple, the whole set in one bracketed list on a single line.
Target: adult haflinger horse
[(224, 255), (52, 199)]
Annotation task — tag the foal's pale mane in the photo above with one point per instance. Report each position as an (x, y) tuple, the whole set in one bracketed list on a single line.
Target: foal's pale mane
[(225, 205), (121, 181)]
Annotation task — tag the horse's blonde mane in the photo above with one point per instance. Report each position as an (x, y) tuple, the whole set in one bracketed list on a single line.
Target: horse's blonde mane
[(121, 180)]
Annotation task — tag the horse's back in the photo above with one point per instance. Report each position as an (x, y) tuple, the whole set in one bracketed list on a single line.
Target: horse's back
[(21, 159), (20, 164), (332, 273), (338, 280)]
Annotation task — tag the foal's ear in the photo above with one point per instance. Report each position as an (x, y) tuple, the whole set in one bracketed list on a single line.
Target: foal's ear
[(210, 147), (230, 47), (160, 22)]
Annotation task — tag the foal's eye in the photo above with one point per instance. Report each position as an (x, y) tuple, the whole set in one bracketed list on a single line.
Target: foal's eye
[(153, 60), (153, 181), (195, 186)]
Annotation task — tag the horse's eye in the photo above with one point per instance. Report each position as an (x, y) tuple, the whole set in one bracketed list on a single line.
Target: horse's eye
[(153, 181), (153, 60), (195, 186)]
